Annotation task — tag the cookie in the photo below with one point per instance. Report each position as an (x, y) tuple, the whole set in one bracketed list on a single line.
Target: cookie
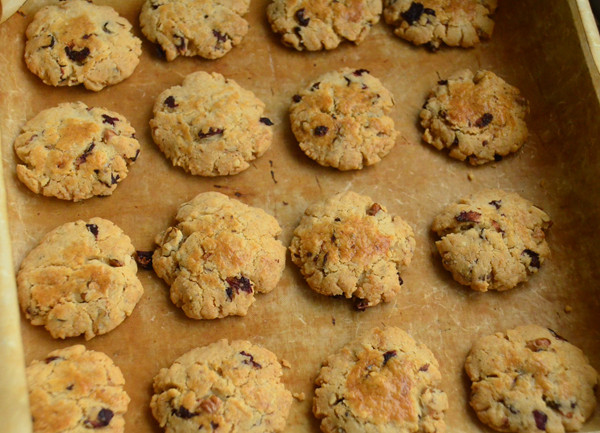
[(210, 126), (195, 28), (530, 379), (80, 279), (456, 23), (74, 152), (341, 120), (77, 42), (75, 390), (477, 117), (492, 240), (218, 255), (350, 245), (324, 24), (230, 387), (384, 382)]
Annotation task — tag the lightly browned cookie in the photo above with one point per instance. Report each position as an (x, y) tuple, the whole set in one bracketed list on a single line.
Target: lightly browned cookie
[(218, 255), (341, 120), (80, 279), (78, 42), (350, 245), (210, 126), (530, 379), (323, 24), (456, 23), (385, 382), (209, 29), (492, 240), (230, 387), (477, 117), (74, 152), (74, 390)]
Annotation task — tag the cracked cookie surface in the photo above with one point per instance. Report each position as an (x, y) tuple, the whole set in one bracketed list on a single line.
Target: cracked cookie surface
[(349, 245), (80, 279), (208, 29), (383, 382), (210, 126), (492, 239), (530, 379), (341, 120), (230, 386), (74, 152), (218, 255), (74, 390), (477, 117), (456, 23), (322, 24), (77, 42)]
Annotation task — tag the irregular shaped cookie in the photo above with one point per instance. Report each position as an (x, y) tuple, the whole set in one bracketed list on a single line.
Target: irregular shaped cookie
[(349, 245), (323, 24), (492, 240), (457, 23), (384, 382), (209, 29), (210, 126), (74, 152), (342, 120), (79, 42), (478, 117), (232, 387), (80, 279), (76, 390), (530, 379), (218, 255)]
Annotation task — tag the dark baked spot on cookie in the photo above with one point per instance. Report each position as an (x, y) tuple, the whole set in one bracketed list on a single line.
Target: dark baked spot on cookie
[(183, 413), (296, 98), (540, 419), (115, 263), (375, 207), (558, 337), (211, 131), (484, 120), (250, 360), (266, 121), (77, 55), (105, 28), (496, 203), (143, 259), (51, 44), (413, 13), (170, 102), (93, 228), (388, 355), (468, 216), (301, 18), (49, 359), (320, 131), (220, 36), (238, 284), (110, 120), (102, 420), (214, 425), (359, 72), (535, 258), (83, 157)]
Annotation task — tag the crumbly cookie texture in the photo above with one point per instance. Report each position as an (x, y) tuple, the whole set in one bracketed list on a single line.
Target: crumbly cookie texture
[(530, 379), (322, 24), (492, 240), (77, 42), (74, 152), (218, 255), (210, 126), (350, 245), (384, 382), (477, 117), (80, 279), (74, 390), (231, 387), (456, 23), (208, 29), (341, 120)]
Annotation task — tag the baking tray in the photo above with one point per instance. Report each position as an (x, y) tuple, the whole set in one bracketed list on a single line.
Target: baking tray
[(539, 47)]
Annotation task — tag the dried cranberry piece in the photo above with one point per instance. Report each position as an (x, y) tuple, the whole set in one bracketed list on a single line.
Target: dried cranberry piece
[(413, 13), (455, 141), (375, 207), (535, 258), (220, 36), (359, 72), (214, 425), (388, 355), (496, 203), (302, 20), (103, 419), (238, 283), (361, 304), (110, 120), (250, 360), (182, 412), (105, 28), (443, 82), (400, 280), (115, 263), (143, 259), (93, 228), (180, 43), (77, 56), (49, 359), (551, 403), (424, 367), (315, 86), (170, 102), (484, 120), (470, 216), (320, 131), (540, 419), (211, 131), (266, 121), (296, 98), (51, 44), (83, 157), (429, 11)]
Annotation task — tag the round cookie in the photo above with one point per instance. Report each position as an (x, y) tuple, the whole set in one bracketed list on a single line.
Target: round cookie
[(456, 23), (530, 379), (77, 42), (75, 390), (492, 240), (80, 279), (349, 245), (195, 28), (235, 387), (477, 117), (210, 126), (342, 120), (384, 382), (74, 152), (323, 24), (218, 255)]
